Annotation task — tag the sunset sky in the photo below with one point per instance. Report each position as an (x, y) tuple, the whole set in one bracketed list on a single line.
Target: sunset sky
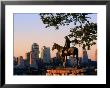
[(29, 29)]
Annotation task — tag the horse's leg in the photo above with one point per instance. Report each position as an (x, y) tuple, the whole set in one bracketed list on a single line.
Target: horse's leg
[(64, 62), (77, 57), (75, 53), (60, 61), (73, 57)]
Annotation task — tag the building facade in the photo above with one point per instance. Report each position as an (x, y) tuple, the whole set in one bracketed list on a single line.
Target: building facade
[(34, 55), (28, 58), (45, 54), (85, 57), (35, 51)]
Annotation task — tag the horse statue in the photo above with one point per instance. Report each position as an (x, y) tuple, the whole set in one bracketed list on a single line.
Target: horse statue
[(67, 52), (59, 53)]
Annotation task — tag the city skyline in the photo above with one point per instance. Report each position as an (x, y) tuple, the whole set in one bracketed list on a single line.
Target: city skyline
[(40, 52), (29, 29)]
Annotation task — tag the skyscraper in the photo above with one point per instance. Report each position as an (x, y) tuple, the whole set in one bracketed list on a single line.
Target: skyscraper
[(21, 63), (19, 60), (15, 60), (45, 54), (34, 55), (85, 57), (28, 58), (35, 51)]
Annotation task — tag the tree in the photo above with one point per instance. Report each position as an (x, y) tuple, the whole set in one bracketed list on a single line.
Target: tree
[(85, 34)]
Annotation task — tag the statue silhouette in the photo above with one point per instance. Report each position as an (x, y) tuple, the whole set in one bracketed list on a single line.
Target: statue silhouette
[(65, 51), (67, 42)]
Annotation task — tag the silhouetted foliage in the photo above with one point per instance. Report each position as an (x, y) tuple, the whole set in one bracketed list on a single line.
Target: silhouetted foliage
[(84, 34), (58, 19)]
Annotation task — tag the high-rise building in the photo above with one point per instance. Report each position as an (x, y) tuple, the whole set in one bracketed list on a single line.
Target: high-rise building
[(35, 51), (15, 60), (28, 58), (85, 57), (45, 54), (21, 62), (34, 55)]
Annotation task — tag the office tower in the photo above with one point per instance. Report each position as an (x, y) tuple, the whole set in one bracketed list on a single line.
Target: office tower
[(80, 61), (27, 58), (15, 61), (35, 51), (34, 55), (85, 57), (45, 54), (21, 60)]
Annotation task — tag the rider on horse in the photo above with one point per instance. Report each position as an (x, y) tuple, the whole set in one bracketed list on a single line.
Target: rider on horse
[(67, 44)]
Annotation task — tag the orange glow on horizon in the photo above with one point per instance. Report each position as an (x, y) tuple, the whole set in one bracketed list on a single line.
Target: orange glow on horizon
[(92, 53)]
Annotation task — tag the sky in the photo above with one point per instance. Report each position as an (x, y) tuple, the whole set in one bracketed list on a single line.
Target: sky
[(29, 29)]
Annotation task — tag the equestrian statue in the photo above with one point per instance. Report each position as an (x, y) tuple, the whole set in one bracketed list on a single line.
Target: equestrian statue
[(65, 51)]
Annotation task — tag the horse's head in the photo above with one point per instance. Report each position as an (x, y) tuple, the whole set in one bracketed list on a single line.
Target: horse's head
[(54, 46)]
